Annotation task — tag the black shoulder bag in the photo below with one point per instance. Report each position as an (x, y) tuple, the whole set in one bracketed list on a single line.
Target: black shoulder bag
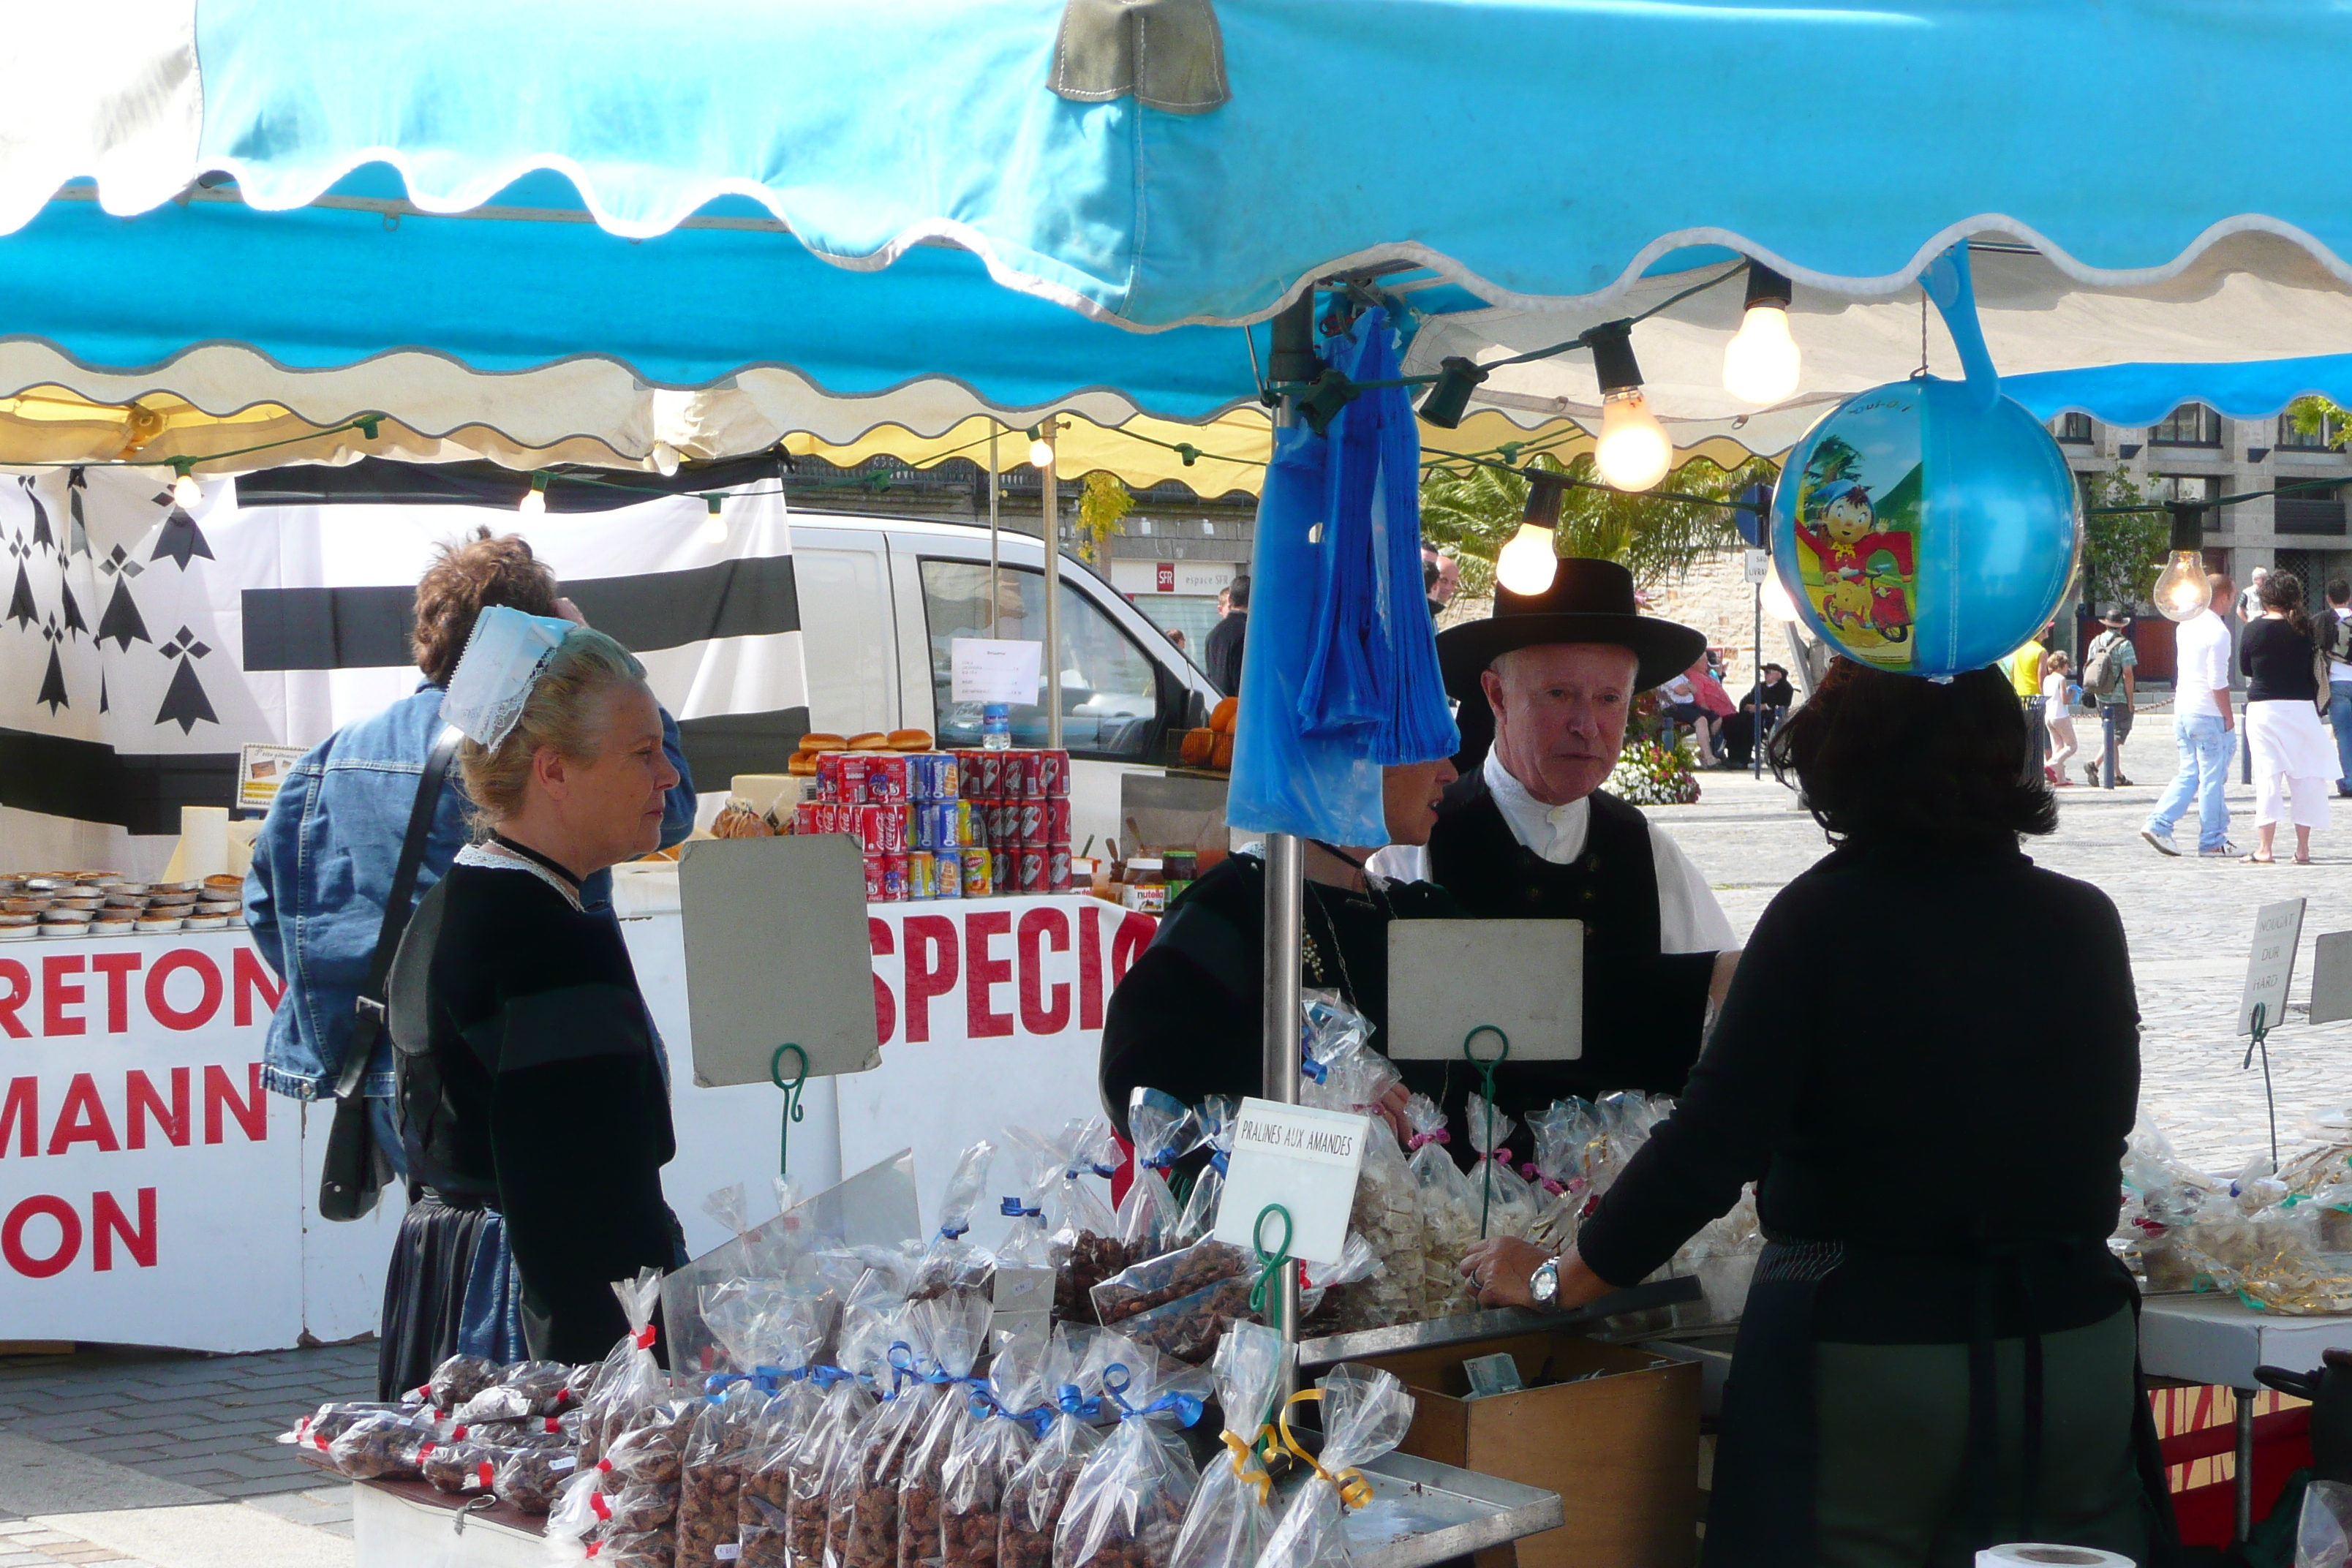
[(356, 1168)]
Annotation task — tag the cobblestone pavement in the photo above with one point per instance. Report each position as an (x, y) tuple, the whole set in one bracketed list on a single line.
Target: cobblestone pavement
[(2190, 922)]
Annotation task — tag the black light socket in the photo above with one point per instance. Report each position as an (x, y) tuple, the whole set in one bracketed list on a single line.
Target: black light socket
[(1449, 397), (1332, 392), (1766, 287), (1612, 344), (2187, 526), (1545, 491)]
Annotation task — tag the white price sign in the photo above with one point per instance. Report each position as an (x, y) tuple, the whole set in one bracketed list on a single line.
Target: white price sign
[(2270, 966), (1305, 1159), (994, 669)]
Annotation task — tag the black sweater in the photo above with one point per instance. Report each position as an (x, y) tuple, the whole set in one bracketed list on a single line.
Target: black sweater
[(2277, 662), (546, 1056), (1932, 1061)]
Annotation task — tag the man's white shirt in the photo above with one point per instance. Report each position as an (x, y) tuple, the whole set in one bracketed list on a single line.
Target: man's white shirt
[(2201, 664), (1689, 919)]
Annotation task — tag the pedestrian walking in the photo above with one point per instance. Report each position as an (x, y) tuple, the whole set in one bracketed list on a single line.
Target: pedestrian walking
[(2279, 656), (1221, 656), (2202, 722), (2110, 679), (2058, 713), (2024, 669), (2337, 626)]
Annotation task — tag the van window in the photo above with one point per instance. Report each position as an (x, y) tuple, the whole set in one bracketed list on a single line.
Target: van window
[(1109, 686), (846, 638)]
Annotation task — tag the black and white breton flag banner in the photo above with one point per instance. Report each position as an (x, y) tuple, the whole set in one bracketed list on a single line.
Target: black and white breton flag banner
[(142, 644)]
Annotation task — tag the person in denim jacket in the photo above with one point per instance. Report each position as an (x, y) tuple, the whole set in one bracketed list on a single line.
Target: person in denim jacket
[(323, 861)]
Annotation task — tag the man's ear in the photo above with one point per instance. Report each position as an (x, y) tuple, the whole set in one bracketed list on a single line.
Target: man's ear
[(1492, 685)]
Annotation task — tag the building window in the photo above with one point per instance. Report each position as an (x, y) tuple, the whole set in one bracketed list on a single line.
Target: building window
[(2329, 430), (2190, 425), (2072, 427), (2194, 488), (2311, 512)]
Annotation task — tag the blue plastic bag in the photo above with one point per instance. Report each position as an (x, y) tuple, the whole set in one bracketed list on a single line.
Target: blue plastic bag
[(1339, 669)]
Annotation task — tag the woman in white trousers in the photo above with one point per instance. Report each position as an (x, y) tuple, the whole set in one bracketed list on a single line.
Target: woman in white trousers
[(2294, 761)]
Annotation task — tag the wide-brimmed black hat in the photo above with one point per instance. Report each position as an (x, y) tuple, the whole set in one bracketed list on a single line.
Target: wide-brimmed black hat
[(1589, 601)]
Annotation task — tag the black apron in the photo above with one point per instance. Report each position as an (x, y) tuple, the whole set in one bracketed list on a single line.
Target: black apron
[(1644, 1011), (1760, 1511)]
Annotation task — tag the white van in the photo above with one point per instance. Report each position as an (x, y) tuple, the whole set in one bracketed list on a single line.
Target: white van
[(881, 598)]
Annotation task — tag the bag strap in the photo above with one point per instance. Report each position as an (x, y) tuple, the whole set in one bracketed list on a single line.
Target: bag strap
[(399, 904)]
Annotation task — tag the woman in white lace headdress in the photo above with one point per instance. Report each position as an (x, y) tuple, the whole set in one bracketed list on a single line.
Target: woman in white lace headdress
[(530, 1079)]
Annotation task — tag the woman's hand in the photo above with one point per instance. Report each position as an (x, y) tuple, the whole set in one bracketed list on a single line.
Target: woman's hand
[(1391, 1109), (571, 612), (1500, 1266)]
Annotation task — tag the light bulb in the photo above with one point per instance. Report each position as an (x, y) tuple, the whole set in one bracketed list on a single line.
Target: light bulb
[(1777, 603), (1633, 452), (714, 527), (186, 494), (666, 459), (534, 500), (1041, 453), (1529, 563), (2181, 592), (1761, 361)]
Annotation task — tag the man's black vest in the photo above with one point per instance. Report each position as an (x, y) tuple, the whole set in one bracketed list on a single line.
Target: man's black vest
[(1643, 1011)]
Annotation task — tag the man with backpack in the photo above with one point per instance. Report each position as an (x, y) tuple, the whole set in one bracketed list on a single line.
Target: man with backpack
[(2335, 636), (2108, 681)]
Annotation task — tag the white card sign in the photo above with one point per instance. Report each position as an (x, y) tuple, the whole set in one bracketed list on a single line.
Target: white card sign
[(994, 669), (1304, 1159), (2331, 978), (1447, 978), (2270, 966)]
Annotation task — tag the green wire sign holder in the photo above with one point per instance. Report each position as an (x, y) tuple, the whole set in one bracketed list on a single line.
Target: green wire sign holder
[(792, 1087), (1486, 1067), (1270, 1264)]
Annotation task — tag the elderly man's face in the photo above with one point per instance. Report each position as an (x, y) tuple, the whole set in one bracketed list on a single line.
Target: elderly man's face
[(1449, 579), (1559, 715)]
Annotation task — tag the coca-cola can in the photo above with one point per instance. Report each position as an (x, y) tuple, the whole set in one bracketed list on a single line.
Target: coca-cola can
[(1022, 774), (808, 817), (894, 829), (886, 779), (1031, 830), (866, 822), (854, 767), (978, 882), (874, 878), (1029, 871), (948, 867), (922, 877), (893, 878), (1057, 868), (829, 775), (988, 769), (1057, 818), (833, 816), (1053, 773)]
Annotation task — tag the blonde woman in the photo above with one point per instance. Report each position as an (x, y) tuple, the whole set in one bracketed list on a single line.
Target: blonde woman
[(531, 1080), (2058, 713)]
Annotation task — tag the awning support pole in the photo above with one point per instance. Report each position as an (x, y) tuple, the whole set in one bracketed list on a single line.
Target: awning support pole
[(995, 485)]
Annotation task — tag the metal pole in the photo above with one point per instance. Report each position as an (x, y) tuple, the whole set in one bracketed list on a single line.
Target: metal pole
[(995, 484), (1053, 659), (2242, 1525), (1756, 713), (2107, 723)]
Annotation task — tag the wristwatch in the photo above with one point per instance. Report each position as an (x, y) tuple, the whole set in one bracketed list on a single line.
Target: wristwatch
[(1544, 1283)]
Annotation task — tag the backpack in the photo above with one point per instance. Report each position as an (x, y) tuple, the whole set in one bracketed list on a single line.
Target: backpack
[(2099, 670), (2335, 639)]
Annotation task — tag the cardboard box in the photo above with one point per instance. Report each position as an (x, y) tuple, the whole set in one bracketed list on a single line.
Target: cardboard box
[(1620, 1449)]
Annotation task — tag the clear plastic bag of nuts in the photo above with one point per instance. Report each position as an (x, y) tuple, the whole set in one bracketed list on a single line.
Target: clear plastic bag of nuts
[(1127, 1503), (990, 1448), (1365, 1413), (867, 1327), (1163, 1131), (953, 1261), (629, 1375), (1034, 1496), (711, 1472), (933, 1337), (958, 1335), (1231, 1517), (1215, 1117)]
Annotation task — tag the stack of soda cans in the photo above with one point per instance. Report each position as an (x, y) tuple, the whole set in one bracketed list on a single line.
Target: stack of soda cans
[(938, 825)]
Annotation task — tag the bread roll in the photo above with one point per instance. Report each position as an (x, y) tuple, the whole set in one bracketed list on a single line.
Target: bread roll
[(817, 741), (910, 740), (872, 741), (1221, 717), (802, 765)]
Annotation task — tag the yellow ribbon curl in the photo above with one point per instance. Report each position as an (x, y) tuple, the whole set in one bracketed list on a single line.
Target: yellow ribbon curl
[(1246, 1469), (1354, 1490)]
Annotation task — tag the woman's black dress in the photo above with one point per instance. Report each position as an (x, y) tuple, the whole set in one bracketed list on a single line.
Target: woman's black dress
[(552, 1107), (1187, 1019), (1935, 1113)]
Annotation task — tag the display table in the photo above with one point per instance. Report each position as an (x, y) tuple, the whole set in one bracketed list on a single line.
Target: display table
[(152, 1192)]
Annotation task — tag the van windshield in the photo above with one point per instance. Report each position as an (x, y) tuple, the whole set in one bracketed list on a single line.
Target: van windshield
[(1109, 686)]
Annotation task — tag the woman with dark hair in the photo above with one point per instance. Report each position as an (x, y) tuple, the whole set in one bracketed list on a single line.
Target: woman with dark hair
[(2294, 759), (1938, 1354)]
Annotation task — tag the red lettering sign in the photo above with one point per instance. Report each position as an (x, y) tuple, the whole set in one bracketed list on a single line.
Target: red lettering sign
[(18, 982), (251, 978), (981, 1020), (142, 1102), (1042, 926), (12, 1237), (252, 1113), (57, 994), (207, 1003), (22, 1111), (886, 1007), (931, 967), (1135, 933), (118, 968), (83, 1119), (107, 1222), (1163, 577), (1091, 985)]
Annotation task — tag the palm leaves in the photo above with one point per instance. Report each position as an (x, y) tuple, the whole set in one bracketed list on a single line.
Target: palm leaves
[(1478, 508)]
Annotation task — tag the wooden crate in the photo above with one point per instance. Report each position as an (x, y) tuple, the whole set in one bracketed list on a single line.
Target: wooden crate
[(1620, 1449)]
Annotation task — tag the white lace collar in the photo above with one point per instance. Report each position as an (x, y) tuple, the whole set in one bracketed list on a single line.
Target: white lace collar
[(490, 857)]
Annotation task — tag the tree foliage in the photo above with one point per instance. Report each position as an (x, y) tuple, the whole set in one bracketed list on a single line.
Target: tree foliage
[(1477, 508), (2125, 534), (1103, 505)]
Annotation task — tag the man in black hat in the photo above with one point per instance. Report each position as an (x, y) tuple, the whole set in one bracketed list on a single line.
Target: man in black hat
[(2109, 679), (1743, 729), (1528, 833)]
